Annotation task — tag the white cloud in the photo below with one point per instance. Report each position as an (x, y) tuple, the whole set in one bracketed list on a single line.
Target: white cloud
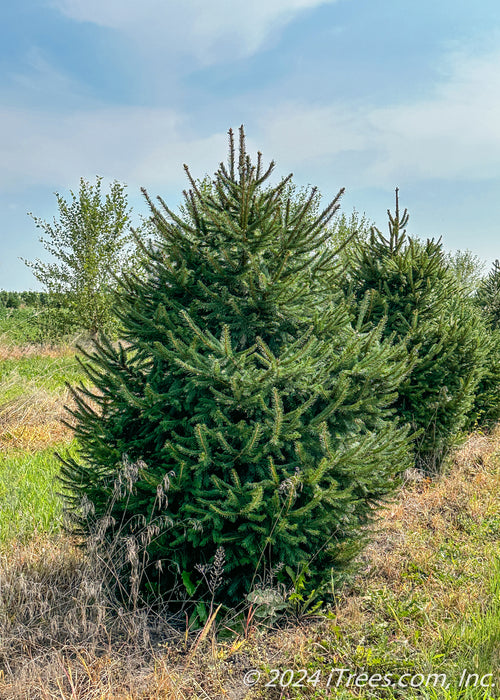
[(210, 30), (41, 76), (136, 145), (453, 134)]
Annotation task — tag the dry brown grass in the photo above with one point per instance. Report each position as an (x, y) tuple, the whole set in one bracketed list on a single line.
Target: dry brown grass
[(61, 637), (33, 421), (10, 351), (427, 513)]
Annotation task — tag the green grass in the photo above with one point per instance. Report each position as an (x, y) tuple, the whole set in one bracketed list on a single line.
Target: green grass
[(39, 372), (463, 650), (29, 501), (474, 643), (463, 647)]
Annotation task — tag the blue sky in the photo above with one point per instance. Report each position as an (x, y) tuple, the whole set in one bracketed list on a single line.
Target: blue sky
[(362, 94)]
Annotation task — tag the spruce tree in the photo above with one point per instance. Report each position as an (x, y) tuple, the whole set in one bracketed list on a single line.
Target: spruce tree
[(408, 283), (258, 418), (488, 296), (486, 409)]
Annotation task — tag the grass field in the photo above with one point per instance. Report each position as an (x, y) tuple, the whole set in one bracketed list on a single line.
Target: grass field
[(424, 601)]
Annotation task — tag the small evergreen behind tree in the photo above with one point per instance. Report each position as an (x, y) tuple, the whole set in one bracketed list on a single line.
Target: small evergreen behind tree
[(258, 418), (486, 410), (488, 296), (408, 283)]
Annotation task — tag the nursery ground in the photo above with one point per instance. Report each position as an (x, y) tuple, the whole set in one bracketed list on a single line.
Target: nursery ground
[(422, 609)]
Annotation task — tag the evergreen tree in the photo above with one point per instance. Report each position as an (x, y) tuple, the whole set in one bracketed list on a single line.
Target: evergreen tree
[(13, 300), (488, 296), (259, 418), (486, 409), (408, 283), (485, 412)]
